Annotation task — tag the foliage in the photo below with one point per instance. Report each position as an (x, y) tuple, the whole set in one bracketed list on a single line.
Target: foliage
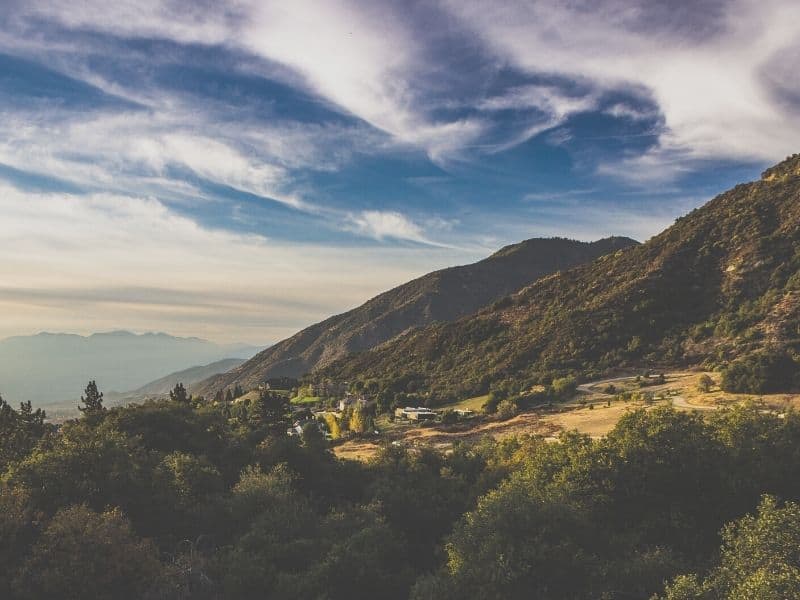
[(179, 394), (437, 297), (84, 554), (203, 500), (719, 284), (761, 373), (705, 383), (759, 559), (615, 517), (92, 409), (332, 424), (19, 431), (506, 409)]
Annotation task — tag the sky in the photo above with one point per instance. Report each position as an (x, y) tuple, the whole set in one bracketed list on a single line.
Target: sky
[(238, 170)]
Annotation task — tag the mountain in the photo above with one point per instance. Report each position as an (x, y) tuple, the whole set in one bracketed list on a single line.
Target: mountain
[(722, 282), (440, 296), (188, 377), (53, 367)]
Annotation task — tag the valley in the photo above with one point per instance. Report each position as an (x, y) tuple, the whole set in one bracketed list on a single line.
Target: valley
[(439, 300), (594, 411)]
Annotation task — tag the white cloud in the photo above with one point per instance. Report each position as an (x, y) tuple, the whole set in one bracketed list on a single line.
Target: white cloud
[(381, 225), (105, 261), (367, 59), (120, 152), (709, 87), (713, 68)]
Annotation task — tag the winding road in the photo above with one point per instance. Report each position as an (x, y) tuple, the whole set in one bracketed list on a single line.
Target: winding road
[(677, 401)]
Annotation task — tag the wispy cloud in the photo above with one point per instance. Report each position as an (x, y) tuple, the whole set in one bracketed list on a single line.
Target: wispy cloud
[(381, 225), (192, 130), (704, 63), (97, 262)]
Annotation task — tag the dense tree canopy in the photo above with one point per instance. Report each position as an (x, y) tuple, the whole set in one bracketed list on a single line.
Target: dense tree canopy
[(204, 500)]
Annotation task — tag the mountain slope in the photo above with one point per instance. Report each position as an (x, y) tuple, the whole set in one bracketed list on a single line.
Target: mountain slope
[(53, 367), (188, 377), (721, 282), (441, 296)]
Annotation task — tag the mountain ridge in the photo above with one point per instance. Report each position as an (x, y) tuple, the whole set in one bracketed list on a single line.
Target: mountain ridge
[(188, 377), (442, 295), (720, 283), (48, 368)]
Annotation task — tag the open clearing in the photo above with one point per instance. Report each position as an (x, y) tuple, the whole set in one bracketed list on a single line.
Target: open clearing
[(593, 411)]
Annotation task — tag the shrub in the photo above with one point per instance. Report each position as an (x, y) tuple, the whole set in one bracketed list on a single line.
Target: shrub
[(705, 383), (506, 409), (761, 373), (84, 554)]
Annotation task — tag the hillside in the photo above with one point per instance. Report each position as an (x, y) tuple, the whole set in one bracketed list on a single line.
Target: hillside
[(54, 367), (188, 377), (720, 283), (441, 296)]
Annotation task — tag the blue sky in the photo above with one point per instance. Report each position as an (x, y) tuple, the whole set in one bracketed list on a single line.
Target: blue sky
[(237, 170)]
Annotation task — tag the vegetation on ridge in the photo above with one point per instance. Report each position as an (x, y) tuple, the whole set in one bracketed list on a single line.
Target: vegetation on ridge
[(722, 283), (441, 296)]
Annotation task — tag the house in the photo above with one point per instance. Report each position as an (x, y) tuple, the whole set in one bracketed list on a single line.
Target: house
[(297, 428), (415, 413)]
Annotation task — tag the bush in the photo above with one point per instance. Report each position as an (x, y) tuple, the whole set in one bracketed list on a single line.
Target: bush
[(761, 373), (449, 417), (492, 402), (705, 383), (506, 409), (84, 554), (565, 387)]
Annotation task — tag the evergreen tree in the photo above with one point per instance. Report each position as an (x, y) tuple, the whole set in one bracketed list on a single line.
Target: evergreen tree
[(228, 396), (19, 430), (179, 394), (92, 408), (271, 411)]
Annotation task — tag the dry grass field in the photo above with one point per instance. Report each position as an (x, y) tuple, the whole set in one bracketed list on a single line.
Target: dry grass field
[(593, 411)]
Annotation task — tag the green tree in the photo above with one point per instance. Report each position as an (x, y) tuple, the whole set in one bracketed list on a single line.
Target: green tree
[(705, 383), (565, 387), (313, 438), (759, 559), (92, 409), (269, 411), (761, 373), (19, 431), (506, 409), (84, 554), (179, 394)]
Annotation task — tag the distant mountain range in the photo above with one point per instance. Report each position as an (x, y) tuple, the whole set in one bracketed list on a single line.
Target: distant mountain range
[(441, 296), (188, 377), (722, 282), (54, 367)]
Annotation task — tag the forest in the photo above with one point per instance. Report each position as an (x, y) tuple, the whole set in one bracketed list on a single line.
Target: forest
[(184, 498)]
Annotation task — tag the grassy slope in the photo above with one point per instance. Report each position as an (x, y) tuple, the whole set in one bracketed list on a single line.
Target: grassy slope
[(441, 296), (721, 282)]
